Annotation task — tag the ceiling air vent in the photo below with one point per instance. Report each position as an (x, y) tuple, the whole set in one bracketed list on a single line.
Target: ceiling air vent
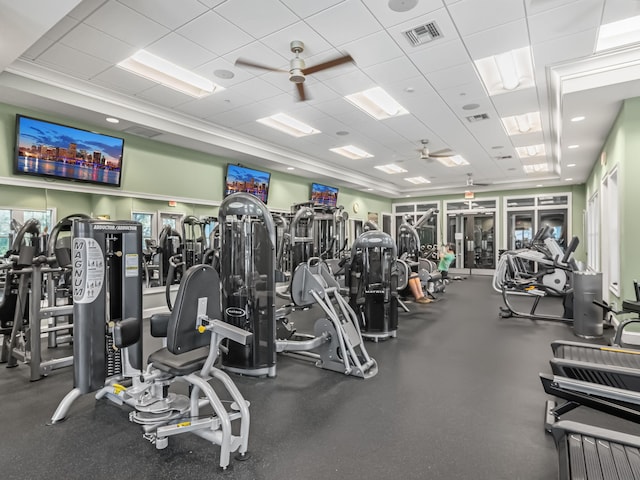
[(142, 131), (504, 157), (423, 34), (478, 118)]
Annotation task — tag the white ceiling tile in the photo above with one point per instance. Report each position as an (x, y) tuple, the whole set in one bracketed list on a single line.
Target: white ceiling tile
[(472, 16), (392, 71), (564, 48), (254, 89), (500, 39), (165, 12), (280, 41), (211, 3), (261, 54), (389, 18), (305, 8), (207, 70), (181, 51), (344, 22), (350, 83), (536, 6), (86, 8), (460, 95), (214, 33), (257, 17), (125, 24), (373, 49), (213, 104), (564, 20), (452, 77), (441, 56), (516, 102), (73, 61), (164, 96), (123, 81), (97, 44), (54, 34)]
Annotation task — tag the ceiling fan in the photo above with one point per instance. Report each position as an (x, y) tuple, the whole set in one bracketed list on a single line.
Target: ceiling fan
[(425, 154), (471, 183), (297, 68)]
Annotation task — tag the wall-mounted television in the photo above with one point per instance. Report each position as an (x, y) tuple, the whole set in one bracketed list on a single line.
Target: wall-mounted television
[(243, 179), (324, 195), (52, 150)]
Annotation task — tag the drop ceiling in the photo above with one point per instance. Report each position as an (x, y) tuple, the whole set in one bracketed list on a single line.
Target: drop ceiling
[(63, 60)]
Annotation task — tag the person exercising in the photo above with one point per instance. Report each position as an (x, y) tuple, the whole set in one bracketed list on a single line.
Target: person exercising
[(447, 256)]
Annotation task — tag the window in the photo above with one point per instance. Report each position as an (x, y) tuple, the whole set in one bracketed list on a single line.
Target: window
[(17, 217), (146, 219), (527, 214), (5, 230), (593, 237), (613, 232), (428, 230)]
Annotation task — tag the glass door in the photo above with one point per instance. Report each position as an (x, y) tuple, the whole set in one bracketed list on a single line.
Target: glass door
[(557, 220), (519, 229), (471, 228)]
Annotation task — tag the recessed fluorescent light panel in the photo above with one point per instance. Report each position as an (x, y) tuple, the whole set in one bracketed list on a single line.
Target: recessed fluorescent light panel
[(530, 151), (391, 168), (507, 71), (377, 103), (289, 125), (169, 74), (349, 151), (536, 168), (453, 161), (616, 34), (417, 180), (519, 124)]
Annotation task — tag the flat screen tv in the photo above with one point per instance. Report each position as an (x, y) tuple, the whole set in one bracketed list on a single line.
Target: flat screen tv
[(324, 195), (243, 179), (52, 150)]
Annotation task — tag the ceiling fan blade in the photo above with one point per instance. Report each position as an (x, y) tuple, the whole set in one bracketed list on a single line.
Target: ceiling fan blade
[(247, 63), (444, 153), (328, 64), (301, 94)]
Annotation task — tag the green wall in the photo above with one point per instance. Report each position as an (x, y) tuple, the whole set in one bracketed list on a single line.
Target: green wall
[(150, 169), (621, 151)]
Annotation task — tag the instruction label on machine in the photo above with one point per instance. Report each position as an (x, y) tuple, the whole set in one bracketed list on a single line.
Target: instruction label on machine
[(131, 263), (88, 270)]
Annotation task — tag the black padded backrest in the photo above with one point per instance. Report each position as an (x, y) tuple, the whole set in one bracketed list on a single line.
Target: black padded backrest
[(200, 281)]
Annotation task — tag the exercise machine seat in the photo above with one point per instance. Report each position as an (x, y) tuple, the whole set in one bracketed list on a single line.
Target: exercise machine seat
[(179, 365), (187, 349), (587, 452)]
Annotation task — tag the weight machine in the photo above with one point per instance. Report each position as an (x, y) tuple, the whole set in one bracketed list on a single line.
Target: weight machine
[(248, 294), (372, 279), (32, 271), (107, 293)]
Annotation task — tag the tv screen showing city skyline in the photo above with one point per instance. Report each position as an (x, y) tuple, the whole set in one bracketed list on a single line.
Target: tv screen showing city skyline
[(59, 151), (244, 179), (324, 195)]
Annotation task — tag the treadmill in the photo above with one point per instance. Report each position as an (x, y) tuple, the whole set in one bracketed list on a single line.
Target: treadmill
[(615, 365), (588, 452)]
